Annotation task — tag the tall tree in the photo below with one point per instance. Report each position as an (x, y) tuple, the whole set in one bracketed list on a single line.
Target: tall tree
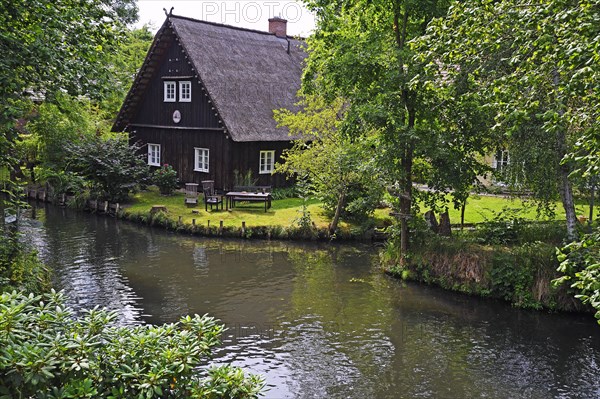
[(536, 63), (48, 46), (338, 170), (122, 64), (361, 52)]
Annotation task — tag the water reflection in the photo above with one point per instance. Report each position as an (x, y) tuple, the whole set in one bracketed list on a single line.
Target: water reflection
[(321, 321)]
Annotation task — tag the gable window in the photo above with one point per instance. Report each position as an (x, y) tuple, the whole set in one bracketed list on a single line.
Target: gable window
[(267, 162), (154, 154), (185, 91), (201, 159), (169, 87)]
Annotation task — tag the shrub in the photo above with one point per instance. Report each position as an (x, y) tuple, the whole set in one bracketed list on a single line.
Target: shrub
[(20, 268), (580, 266), (165, 178), (45, 352), (285, 192), (241, 179), (62, 182), (111, 166)]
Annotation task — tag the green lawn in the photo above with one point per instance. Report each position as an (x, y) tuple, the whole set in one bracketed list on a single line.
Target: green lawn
[(284, 212), (483, 207)]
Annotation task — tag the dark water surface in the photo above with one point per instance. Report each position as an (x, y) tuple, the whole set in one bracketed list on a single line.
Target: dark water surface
[(321, 321)]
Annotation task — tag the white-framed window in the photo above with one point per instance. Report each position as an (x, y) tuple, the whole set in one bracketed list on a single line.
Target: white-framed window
[(201, 159), (501, 160), (169, 88), (267, 162), (185, 91), (153, 154)]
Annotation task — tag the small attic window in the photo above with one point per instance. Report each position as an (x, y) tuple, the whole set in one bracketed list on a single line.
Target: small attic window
[(185, 91), (169, 87)]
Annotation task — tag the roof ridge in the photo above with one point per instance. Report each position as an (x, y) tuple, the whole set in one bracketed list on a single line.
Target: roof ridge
[(229, 26)]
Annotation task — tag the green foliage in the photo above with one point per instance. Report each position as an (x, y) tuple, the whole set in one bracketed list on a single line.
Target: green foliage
[(285, 192), (20, 268), (335, 168), (519, 274), (111, 166), (227, 382), (165, 178), (504, 229), (244, 180), (59, 120), (32, 60), (580, 266), (537, 77), (509, 227), (514, 274), (122, 64), (362, 54), (303, 221), (47, 352), (62, 182)]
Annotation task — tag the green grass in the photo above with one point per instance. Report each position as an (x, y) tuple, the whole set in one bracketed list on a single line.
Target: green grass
[(283, 212), (481, 208)]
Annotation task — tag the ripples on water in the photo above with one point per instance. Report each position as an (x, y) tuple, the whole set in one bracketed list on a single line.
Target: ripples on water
[(320, 321)]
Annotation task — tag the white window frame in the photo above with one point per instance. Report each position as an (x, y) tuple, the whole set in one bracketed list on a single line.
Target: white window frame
[(266, 162), (501, 163), (185, 91), (201, 159), (170, 91), (153, 154)]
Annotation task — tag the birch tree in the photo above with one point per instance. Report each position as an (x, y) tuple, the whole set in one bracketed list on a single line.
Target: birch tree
[(536, 63)]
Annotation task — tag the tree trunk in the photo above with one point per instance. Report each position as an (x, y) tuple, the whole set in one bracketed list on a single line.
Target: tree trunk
[(462, 214), (592, 196), (406, 186), (564, 185), (566, 196), (338, 211), (406, 160)]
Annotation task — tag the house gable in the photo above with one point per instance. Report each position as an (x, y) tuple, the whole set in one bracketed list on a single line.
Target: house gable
[(144, 105), (176, 68)]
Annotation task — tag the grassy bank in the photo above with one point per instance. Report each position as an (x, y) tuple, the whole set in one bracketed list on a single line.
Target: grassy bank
[(521, 274), (280, 221), (285, 214)]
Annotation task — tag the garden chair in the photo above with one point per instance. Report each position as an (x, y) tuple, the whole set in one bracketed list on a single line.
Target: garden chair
[(191, 193), (210, 197)]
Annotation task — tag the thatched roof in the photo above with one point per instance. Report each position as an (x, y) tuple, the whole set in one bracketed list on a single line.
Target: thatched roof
[(246, 73)]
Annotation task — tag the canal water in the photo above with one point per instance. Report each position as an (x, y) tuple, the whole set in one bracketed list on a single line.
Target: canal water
[(320, 321)]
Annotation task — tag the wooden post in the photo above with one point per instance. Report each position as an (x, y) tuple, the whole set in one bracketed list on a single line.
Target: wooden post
[(179, 221), (221, 228), (208, 224), (105, 206), (193, 222), (117, 209), (243, 228)]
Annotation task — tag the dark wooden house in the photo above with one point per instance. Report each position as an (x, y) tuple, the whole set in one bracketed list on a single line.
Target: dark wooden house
[(203, 100)]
